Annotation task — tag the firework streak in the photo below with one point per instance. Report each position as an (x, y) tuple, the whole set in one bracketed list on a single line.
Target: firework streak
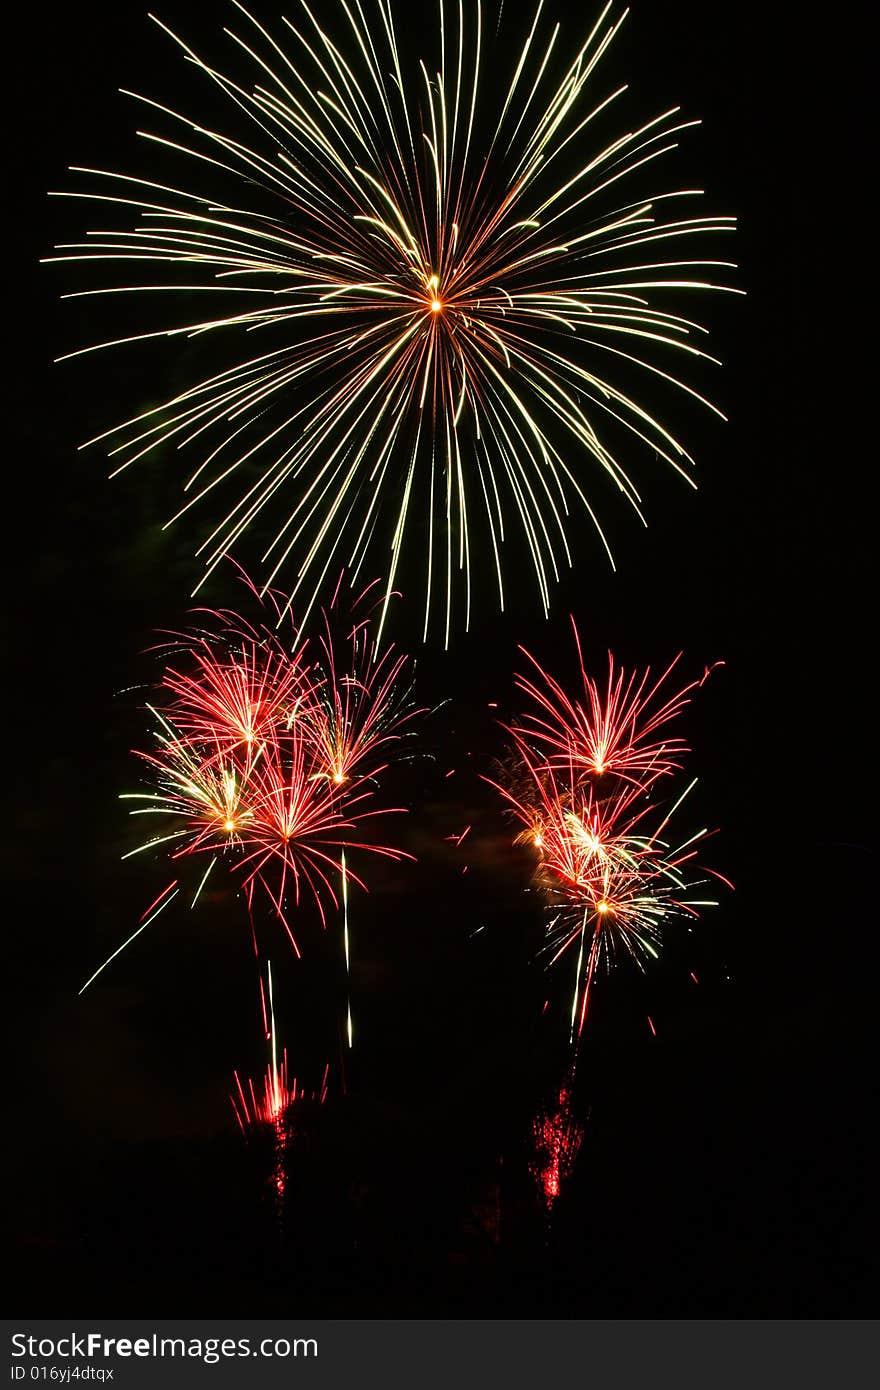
[(437, 292)]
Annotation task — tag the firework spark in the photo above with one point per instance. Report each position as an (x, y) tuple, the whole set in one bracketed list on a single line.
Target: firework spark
[(451, 283), (556, 1137)]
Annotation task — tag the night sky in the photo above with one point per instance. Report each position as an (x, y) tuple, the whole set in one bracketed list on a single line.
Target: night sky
[(724, 1170)]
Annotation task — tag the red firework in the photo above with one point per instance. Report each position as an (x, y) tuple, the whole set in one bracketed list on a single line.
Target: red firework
[(271, 1101), (566, 818), (557, 1137), (298, 820), (581, 782), (239, 700), (266, 766), (361, 706), (273, 1106), (606, 731)]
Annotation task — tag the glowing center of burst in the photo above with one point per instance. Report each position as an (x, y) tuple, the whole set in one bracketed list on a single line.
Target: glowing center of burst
[(230, 825), (432, 286), (603, 906)]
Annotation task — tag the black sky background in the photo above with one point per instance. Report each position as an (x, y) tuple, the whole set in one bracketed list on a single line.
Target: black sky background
[(725, 1167)]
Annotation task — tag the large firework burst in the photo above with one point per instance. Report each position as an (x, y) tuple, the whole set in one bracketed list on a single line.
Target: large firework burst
[(441, 287)]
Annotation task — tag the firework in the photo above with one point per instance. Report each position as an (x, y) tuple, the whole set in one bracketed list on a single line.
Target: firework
[(582, 783), (612, 730), (241, 774), (622, 901), (272, 1103), (556, 1137), (433, 290), (241, 701), (274, 1107), (362, 707)]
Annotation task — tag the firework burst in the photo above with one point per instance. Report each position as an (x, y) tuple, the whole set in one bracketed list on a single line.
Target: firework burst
[(582, 783), (362, 705), (623, 901), (440, 288), (242, 774), (612, 729), (241, 701)]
